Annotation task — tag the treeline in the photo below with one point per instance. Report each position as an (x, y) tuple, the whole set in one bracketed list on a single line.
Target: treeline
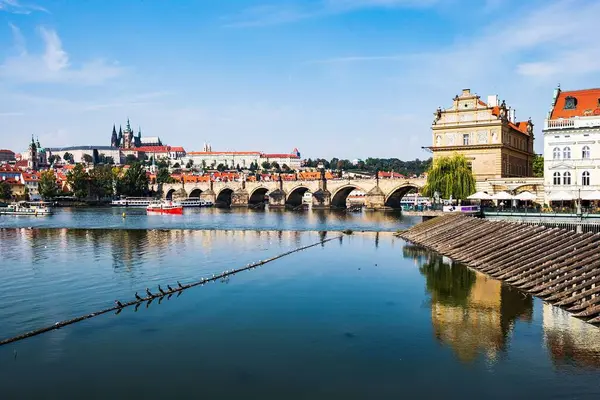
[(104, 181), (413, 167)]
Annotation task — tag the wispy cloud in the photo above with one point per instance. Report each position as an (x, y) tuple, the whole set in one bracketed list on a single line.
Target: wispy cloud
[(53, 65), (281, 13), (16, 7)]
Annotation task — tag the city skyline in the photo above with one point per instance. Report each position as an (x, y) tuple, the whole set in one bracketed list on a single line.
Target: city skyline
[(334, 78)]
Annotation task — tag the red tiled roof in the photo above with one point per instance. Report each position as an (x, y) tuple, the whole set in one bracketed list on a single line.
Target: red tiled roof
[(21, 163), (587, 104), (520, 126), (9, 168), (7, 151), (216, 153), (152, 149), (279, 155)]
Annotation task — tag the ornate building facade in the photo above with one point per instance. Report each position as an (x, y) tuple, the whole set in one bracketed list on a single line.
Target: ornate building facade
[(572, 145), (487, 134)]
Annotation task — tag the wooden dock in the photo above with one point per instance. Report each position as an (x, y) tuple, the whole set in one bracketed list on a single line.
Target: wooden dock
[(560, 266)]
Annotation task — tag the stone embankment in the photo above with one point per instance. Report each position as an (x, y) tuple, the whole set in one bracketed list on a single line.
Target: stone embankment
[(561, 267)]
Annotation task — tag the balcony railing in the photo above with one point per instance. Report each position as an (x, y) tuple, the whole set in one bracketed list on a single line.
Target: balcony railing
[(572, 123)]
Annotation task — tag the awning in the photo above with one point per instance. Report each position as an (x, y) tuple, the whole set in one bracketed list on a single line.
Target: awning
[(560, 196), (595, 195), (502, 196), (526, 196), (479, 196)]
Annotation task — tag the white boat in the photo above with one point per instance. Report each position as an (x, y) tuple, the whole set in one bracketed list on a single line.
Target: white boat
[(24, 208), (195, 202), (132, 202)]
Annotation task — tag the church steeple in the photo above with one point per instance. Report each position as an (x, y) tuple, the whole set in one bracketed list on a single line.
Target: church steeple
[(113, 138)]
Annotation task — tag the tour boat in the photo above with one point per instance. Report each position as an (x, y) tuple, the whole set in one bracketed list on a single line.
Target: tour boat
[(24, 208), (133, 202), (195, 202), (164, 207)]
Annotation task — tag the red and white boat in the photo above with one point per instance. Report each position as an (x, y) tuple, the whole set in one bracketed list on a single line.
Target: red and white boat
[(164, 207)]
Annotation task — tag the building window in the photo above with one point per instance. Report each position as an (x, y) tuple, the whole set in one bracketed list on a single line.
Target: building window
[(567, 178), (557, 178), (466, 139), (556, 153), (585, 178), (567, 153), (585, 152), (570, 103)]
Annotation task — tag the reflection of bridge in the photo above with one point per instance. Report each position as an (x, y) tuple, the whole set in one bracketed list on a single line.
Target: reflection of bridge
[(379, 194)]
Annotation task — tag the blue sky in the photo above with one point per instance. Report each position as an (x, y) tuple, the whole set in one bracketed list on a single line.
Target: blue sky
[(345, 78)]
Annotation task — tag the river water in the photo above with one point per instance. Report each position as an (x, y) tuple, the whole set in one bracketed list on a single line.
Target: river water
[(364, 316)]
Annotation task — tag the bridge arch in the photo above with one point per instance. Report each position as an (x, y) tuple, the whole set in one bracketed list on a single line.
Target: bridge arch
[(392, 199), (294, 197), (224, 197), (169, 194), (195, 192), (258, 195), (340, 196)]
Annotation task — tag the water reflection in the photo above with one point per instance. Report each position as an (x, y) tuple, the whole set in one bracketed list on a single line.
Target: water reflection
[(471, 313), (569, 340)]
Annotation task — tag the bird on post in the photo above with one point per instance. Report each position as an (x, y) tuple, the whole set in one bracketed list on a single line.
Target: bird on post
[(119, 304), (137, 296), (149, 293)]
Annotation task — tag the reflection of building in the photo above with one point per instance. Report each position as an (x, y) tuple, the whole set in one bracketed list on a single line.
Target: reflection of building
[(572, 144), (487, 134), (570, 340), (471, 312)]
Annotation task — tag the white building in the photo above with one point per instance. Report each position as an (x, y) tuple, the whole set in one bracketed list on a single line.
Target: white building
[(244, 159), (572, 145)]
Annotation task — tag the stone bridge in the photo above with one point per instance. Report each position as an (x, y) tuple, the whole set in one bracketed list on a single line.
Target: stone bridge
[(379, 193)]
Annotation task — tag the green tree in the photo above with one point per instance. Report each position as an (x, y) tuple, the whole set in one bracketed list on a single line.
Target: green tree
[(102, 182), (130, 159), (266, 165), (253, 166), (135, 181), (5, 191), (450, 176), (538, 166), (87, 158), (163, 176), (79, 180), (221, 167), (68, 157), (285, 168), (189, 164), (275, 166), (47, 186)]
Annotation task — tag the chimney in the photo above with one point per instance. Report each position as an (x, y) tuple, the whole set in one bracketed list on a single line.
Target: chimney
[(513, 117), (492, 100)]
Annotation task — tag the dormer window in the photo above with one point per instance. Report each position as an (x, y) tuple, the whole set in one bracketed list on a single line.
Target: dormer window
[(570, 103)]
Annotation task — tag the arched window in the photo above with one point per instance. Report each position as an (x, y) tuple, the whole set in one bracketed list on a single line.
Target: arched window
[(567, 178), (557, 178), (567, 153), (556, 153), (585, 152), (585, 178)]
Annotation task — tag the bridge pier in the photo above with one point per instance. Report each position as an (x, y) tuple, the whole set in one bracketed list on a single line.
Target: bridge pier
[(321, 199), (239, 198), (375, 199), (209, 195), (277, 199)]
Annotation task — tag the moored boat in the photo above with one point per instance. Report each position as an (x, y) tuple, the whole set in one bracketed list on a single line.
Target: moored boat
[(25, 208), (195, 202), (164, 207)]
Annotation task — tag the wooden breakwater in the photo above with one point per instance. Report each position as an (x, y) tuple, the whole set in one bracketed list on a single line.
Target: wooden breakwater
[(560, 266)]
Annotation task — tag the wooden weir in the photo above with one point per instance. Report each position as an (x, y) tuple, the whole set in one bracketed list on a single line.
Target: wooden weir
[(557, 265)]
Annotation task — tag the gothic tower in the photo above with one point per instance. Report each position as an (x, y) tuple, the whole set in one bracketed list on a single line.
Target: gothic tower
[(113, 138), (120, 138)]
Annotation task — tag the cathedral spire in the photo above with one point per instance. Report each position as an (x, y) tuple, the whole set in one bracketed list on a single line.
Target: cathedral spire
[(128, 126), (114, 130)]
